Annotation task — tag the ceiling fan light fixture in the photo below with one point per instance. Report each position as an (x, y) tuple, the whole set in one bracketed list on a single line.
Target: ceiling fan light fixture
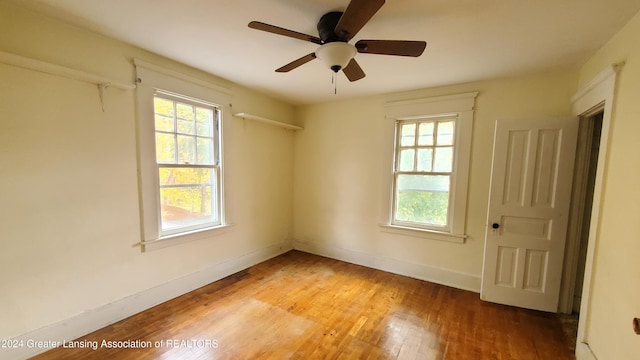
[(336, 55)]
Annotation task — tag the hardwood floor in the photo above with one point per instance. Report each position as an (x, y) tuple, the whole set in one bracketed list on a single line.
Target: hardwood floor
[(302, 306)]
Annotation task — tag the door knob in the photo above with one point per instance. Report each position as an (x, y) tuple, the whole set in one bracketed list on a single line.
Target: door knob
[(495, 226)]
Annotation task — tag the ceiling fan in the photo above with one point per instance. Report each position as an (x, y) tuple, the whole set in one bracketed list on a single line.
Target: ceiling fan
[(335, 29)]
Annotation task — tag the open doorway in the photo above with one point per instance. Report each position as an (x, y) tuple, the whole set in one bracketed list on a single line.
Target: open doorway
[(584, 184), (591, 149), (592, 98)]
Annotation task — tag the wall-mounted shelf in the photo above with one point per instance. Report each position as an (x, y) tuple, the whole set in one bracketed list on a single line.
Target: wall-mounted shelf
[(267, 121), (53, 69)]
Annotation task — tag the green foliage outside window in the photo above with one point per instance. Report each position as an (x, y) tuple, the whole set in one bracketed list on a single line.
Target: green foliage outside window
[(424, 163), (423, 207)]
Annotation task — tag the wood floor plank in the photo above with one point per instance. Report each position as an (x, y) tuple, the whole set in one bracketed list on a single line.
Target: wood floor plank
[(303, 306)]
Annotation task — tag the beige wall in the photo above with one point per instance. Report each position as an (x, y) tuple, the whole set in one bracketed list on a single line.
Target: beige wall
[(615, 292), (68, 185), (339, 175)]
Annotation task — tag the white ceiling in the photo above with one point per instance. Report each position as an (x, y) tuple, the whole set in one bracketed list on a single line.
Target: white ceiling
[(467, 40)]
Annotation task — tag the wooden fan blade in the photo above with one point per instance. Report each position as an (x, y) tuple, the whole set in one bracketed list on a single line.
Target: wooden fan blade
[(295, 63), (356, 15), (284, 32), (391, 47), (353, 71)]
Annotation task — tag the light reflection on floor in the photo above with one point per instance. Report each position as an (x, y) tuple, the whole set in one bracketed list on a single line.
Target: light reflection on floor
[(408, 336)]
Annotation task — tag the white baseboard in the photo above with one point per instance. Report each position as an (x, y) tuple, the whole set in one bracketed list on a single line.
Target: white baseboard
[(418, 271), (583, 352), (94, 319)]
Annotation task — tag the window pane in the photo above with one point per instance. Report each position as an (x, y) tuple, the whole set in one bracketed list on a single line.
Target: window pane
[(163, 114), (163, 107), (205, 151), (186, 149), (204, 120), (422, 199), (186, 197), (408, 134), (165, 148), (186, 119), (186, 127), (185, 206), (164, 123), (443, 159), (445, 133), (425, 159), (185, 111), (425, 135), (406, 160), (203, 129)]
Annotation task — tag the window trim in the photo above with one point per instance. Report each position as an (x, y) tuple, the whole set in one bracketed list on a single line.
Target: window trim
[(151, 79), (460, 106)]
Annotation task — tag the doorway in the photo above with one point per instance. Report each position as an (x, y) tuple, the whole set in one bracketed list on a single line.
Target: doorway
[(591, 148), (582, 197), (582, 202), (594, 97)]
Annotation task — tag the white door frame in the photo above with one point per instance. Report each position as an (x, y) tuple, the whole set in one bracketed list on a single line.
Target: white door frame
[(575, 235), (600, 90)]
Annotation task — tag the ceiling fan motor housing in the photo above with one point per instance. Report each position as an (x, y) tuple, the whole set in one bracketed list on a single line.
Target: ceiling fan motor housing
[(327, 26), (335, 51)]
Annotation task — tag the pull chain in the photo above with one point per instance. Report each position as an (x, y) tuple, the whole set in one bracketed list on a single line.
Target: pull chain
[(334, 81)]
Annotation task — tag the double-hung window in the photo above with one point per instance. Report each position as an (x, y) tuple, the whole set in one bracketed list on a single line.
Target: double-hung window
[(424, 173), (180, 156), (431, 158), (186, 134)]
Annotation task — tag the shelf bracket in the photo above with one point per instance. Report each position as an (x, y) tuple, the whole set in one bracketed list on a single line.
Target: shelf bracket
[(102, 87), (57, 70)]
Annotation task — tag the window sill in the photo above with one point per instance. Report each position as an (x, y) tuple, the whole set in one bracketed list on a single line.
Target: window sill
[(423, 233), (177, 239)]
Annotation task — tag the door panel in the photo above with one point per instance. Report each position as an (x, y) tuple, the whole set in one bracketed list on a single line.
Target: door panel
[(507, 264), (535, 270), (528, 211), (516, 167), (546, 168)]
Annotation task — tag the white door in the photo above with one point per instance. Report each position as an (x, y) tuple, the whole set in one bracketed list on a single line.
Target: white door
[(528, 212)]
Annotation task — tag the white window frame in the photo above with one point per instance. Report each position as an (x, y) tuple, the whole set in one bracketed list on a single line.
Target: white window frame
[(416, 147), (460, 107), (153, 79), (215, 166)]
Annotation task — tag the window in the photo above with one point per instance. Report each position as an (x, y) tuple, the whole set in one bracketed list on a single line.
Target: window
[(188, 168), (424, 172), (430, 157), (180, 156)]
